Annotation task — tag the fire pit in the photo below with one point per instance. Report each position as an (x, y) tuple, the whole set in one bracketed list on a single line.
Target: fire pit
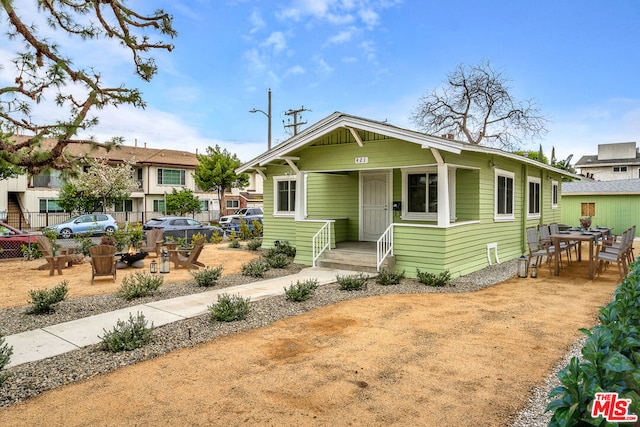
[(131, 259)]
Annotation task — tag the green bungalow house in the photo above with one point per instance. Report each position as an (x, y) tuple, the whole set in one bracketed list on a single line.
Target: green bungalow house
[(425, 202)]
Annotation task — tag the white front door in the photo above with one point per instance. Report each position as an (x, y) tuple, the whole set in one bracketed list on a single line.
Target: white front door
[(375, 204)]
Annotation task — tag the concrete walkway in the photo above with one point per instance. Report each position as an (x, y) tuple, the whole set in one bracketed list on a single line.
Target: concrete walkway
[(58, 339)]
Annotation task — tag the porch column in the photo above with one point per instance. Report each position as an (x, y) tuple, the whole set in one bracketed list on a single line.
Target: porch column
[(443, 195), (301, 196)]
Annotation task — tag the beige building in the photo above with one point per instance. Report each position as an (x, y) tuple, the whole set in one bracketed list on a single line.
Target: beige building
[(613, 162), (30, 201)]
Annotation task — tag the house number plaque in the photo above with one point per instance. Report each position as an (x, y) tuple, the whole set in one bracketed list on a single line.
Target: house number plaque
[(362, 160)]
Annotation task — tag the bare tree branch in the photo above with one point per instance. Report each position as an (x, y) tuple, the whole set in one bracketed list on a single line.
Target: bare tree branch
[(476, 105)]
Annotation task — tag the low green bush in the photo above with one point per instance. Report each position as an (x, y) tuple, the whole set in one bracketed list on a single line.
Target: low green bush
[(278, 261), (216, 238), (139, 285), (255, 268), (207, 276), (42, 300), (610, 361), (432, 279), (27, 252), (85, 242), (254, 244), (5, 358), (301, 291), (229, 308), (353, 282), (284, 247), (126, 336), (386, 277)]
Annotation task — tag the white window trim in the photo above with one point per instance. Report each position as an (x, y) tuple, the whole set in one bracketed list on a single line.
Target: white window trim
[(554, 184), (415, 216), (160, 184), (538, 181), (503, 217), (276, 212)]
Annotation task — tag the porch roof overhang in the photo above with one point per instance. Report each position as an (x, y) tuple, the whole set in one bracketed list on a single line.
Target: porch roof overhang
[(351, 123)]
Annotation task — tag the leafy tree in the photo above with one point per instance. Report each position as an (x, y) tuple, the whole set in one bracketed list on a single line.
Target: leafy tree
[(73, 198), (101, 185), (182, 202), (41, 71), (8, 170), (216, 171), (476, 105)]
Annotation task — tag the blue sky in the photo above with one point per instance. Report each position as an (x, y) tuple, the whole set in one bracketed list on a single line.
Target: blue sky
[(375, 59)]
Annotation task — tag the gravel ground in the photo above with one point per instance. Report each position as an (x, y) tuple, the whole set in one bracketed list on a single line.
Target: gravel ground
[(30, 379)]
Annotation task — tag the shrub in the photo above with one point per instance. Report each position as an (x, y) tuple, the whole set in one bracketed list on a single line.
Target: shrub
[(108, 239), (207, 277), (52, 237), (44, 299), (5, 357), (301, 291), (283, 247), (216, 238), (278, 261), (197, 236), (432, 279), (257, 228), (245, 231), (254, 244), (85, 242), (386, 277), (610, 360), (139, 285), (354, 282), (229, 308), (234, 244), (127, 336), (27, 252), (255, 268)]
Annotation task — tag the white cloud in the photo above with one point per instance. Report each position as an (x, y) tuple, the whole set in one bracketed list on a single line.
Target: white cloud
[(323, 68), (255, 60), (296, 70), (276, 41), (342, 37), (369, 17), (369, 50), (257, 23)]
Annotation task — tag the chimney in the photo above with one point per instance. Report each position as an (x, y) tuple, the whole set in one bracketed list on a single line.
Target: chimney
[(135, 142), (145, 145)]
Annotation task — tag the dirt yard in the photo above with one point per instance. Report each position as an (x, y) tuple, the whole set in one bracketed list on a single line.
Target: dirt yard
[(429, 359)]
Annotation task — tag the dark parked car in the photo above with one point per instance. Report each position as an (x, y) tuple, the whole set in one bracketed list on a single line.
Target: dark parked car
[(234, 224), (89, 223), (178, 226), (12, 239), (248, 214)]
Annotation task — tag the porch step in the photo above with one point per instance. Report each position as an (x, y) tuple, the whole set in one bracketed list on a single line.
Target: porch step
[(349, 259)]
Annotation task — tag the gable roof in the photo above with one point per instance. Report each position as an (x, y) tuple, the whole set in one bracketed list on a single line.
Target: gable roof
[(618, 187), (340, 120)]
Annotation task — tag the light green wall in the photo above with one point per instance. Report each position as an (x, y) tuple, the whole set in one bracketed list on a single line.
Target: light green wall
[(617, 211), (459, 249)]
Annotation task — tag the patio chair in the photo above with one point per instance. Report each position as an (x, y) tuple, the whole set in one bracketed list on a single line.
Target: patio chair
[(103, 261), (620, 255), (564, 245), (66, 256), (191, 261), (545, 240), (153, 242), (537, 248)]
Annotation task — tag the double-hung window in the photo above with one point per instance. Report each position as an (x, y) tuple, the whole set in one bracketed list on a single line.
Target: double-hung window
[(284, 195), (554, 194), (504, 196), (420, 194), (171, 176), (533, 197)]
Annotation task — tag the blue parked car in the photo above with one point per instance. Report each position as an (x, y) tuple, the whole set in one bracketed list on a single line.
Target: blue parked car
[(90, 223)]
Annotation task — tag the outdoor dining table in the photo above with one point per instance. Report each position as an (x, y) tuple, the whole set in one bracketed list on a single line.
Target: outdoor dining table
[(592, 237)]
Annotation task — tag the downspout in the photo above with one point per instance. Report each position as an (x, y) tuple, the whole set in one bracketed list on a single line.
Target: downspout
[(523, 233)]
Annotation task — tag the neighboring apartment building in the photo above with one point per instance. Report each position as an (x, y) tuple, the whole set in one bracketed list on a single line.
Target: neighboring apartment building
[(613, 162), (30, 201)]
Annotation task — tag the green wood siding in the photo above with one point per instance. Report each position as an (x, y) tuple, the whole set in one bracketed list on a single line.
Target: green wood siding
[(460, 249), (617, 211)]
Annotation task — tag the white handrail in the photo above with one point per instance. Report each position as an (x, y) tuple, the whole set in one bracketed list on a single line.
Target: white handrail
[(321, 241), (384, 246)]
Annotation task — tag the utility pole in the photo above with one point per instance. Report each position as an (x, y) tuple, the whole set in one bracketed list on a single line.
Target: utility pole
[(268, 115), (296, 115)]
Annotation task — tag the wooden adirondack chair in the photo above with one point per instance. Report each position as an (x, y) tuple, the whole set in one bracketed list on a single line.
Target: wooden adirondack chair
[(153, 242), (103, 261), (190, 261), (66, 256)]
